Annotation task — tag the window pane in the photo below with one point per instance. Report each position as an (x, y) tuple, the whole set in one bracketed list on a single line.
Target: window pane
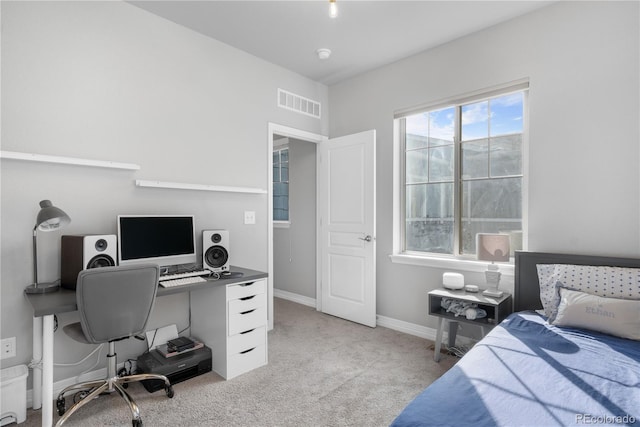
[(440, 200), (490, 206), (281, 201), (506, 155), (276, 174), (284, 172), (475, 121), (280, 189), (506, 114), (441, 126), (475, 159), (280, 215), (276, 157), (430, 201), (416, 201), (441, 163), (284, 155), (429, 223), (417, 131), (417, 166), (434, 236)]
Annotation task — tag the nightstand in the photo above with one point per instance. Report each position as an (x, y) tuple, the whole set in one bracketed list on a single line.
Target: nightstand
[(497, 309)]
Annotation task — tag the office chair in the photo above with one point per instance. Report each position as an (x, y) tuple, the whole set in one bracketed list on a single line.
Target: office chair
[(114, 304)]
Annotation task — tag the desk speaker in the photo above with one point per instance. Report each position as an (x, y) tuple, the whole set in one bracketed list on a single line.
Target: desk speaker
[(215, 250), (82, 252)]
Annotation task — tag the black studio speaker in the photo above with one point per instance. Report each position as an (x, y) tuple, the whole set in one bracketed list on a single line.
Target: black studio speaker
[(85, 251), (215, 250)]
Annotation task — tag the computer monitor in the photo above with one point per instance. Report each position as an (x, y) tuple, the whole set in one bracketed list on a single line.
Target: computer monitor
[(166, 240)]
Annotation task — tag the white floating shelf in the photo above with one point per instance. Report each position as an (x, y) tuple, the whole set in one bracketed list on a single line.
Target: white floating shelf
[(200, 187), (44, 158)]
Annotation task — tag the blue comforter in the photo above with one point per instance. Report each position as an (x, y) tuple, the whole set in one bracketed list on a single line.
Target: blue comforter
[(529, 373)]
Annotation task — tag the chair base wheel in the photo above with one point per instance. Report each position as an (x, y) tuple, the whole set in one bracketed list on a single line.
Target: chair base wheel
[(169, 391), (61, 405), (123, 373), (136, 422)]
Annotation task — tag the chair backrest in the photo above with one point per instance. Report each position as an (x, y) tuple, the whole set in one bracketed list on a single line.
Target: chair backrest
[(116, 302)]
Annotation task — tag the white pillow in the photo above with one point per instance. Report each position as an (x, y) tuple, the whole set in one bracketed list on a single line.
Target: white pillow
[(614, 282), (612, 316)]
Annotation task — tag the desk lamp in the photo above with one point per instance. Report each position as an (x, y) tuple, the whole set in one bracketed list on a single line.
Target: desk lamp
[(492, 247), (50, 218)]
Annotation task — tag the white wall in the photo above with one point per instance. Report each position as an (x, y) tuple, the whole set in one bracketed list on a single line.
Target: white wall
[(294, 248), (106, 80), (582, 59), (109, 81)]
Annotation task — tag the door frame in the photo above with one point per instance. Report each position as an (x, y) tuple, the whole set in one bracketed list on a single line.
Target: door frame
[(274, 128)]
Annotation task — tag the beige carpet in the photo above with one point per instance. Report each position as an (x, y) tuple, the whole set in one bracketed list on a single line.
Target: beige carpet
[(322, 371)]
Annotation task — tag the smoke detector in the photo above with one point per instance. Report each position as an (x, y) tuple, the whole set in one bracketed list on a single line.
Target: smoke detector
[(323, 53)]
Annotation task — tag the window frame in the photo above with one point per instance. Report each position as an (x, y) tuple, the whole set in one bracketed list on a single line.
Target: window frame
[(458, 261)]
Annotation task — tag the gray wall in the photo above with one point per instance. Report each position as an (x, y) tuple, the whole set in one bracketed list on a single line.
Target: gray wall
[(294, 248), (109, 81), (582, 59)]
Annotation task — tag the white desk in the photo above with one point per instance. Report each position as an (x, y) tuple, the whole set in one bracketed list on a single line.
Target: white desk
[(45, 306)]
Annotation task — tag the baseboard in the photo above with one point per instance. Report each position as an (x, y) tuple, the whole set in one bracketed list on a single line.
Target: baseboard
[(290, 296), (386, 322), (406, 327)]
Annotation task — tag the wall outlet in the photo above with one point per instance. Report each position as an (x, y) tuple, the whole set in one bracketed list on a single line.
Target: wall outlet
[(249, 217), (8, 348)]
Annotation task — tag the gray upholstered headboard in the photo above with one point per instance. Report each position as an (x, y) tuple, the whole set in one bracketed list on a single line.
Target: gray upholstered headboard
[(526, 286)]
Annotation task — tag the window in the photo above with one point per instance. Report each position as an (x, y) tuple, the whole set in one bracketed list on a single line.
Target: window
[(281, 184), (462, 174)]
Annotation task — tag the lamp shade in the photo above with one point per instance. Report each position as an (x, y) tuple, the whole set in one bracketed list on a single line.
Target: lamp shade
[(492, 247), (50, 217)]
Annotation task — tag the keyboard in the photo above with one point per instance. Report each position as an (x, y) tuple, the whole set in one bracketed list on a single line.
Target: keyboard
[(182, 281), (193, 273)]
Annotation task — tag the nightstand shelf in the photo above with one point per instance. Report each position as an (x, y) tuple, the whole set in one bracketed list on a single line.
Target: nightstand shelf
[(497, 309)]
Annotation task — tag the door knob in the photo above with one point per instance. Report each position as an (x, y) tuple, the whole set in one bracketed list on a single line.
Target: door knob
[(366, 239)]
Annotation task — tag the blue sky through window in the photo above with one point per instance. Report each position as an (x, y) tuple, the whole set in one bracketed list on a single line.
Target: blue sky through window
[(493, 117)]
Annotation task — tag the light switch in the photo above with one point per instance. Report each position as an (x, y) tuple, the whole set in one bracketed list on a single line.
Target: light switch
[(249, 217)]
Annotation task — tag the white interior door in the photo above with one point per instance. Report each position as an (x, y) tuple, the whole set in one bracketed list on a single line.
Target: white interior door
[(347, 188)]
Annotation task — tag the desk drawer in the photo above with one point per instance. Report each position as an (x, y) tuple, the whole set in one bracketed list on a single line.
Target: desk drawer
[(247, 340), (241, 322), (247, 303), (245, 289), (243, 362)]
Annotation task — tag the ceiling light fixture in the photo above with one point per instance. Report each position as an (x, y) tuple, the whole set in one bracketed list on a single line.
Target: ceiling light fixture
[(323, 53), (333, 8)]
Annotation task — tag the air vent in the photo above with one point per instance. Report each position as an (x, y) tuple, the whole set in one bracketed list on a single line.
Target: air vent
[(299, 104)]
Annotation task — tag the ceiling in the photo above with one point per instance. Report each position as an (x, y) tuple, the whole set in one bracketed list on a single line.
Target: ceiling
[(365, 35)]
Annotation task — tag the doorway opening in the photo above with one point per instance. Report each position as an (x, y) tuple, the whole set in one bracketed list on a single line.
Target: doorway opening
[(293, 245)]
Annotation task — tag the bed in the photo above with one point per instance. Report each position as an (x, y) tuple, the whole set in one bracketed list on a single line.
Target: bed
[(528, 372)]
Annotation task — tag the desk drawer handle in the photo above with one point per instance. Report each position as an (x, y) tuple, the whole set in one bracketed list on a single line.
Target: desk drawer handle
[(246, 284), (247, 298), (247, 351), (248, 311), (246, 332)]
